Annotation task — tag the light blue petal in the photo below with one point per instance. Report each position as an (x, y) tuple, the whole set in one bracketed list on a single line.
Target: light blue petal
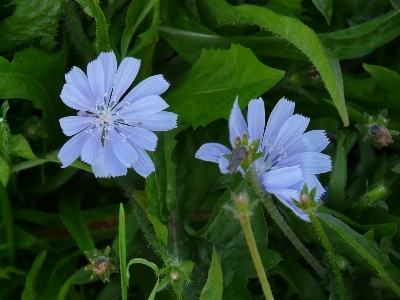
[(143, 165), (100, 168), (154, 85), (109, 62), (312, 182), (72, 148), (78, 79), (312, 141), (282, 111), (73, 125), (285, 196), (293, 128), (91, 149), (309, 162), (141, 137), (146, 106), (114, 166), (281, 178), (74, 99), (212, 152), (122, 149), (96, 79), (223, 164), (162, 121), (256, 119), (126, 74), (237, 124)]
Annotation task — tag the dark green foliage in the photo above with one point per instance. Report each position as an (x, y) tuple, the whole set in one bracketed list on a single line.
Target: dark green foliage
[(337, 60)]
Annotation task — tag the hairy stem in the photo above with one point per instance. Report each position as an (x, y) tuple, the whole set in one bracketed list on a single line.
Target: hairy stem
[(255, 255), (331, 255), (276, 216)]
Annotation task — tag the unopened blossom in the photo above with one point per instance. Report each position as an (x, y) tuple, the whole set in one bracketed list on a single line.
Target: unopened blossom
[(291, 156), (111, 131)]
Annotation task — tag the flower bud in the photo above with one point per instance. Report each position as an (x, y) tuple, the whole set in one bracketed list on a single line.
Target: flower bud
[(174, 275), (305, 201)]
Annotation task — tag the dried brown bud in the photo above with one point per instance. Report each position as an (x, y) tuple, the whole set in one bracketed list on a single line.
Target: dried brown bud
[(381, 134)]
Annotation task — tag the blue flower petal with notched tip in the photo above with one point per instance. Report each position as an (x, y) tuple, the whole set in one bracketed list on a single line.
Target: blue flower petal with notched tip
[(109, 133), (291, 158)]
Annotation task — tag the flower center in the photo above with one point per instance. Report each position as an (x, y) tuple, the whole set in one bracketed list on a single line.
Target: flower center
[(272, 156)]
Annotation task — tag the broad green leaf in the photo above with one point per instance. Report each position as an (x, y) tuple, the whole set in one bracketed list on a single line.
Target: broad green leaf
[(38, 77), (360, 40), (92, 8), (294, 32), (361, 246), (31, 19), (20, 147), (298, 278), (122, 253), (208, 91), (71, 215), (29, 292), (212, 290), (325, 7), (160, 229), (4, 171), (136, 12), (338, 179), (388, 80)]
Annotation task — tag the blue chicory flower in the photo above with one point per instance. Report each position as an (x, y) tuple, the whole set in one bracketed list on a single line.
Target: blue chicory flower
[(111, 134), (291, 157)]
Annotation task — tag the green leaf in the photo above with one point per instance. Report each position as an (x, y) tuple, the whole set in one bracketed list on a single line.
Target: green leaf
[(396, 169), (338, 179), (27, 77), (388, 80), (79, 277), (298, 278), (212, 290), (361, 246), (160, 229), (29, 292), (30, 20), (208, 91), (160, 185), (135, 14), (71, 215), (361, 39), (139, 261), (92, 8), (20, 147), (4, 171), (295, 32), (325, 7), (224, 231), (122, 253), (5, 133)]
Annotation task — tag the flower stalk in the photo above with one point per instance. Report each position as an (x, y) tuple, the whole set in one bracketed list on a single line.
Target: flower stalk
[(243, 214), (329, 250), (276, 216)]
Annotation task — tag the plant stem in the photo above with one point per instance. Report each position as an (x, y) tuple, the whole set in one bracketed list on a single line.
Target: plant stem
[(255, 255), (331, 255), (276, 216), (8, 222)]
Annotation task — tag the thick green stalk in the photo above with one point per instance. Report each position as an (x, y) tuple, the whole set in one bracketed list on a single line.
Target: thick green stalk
[(255, 255), (276, 216), (331, 255)]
